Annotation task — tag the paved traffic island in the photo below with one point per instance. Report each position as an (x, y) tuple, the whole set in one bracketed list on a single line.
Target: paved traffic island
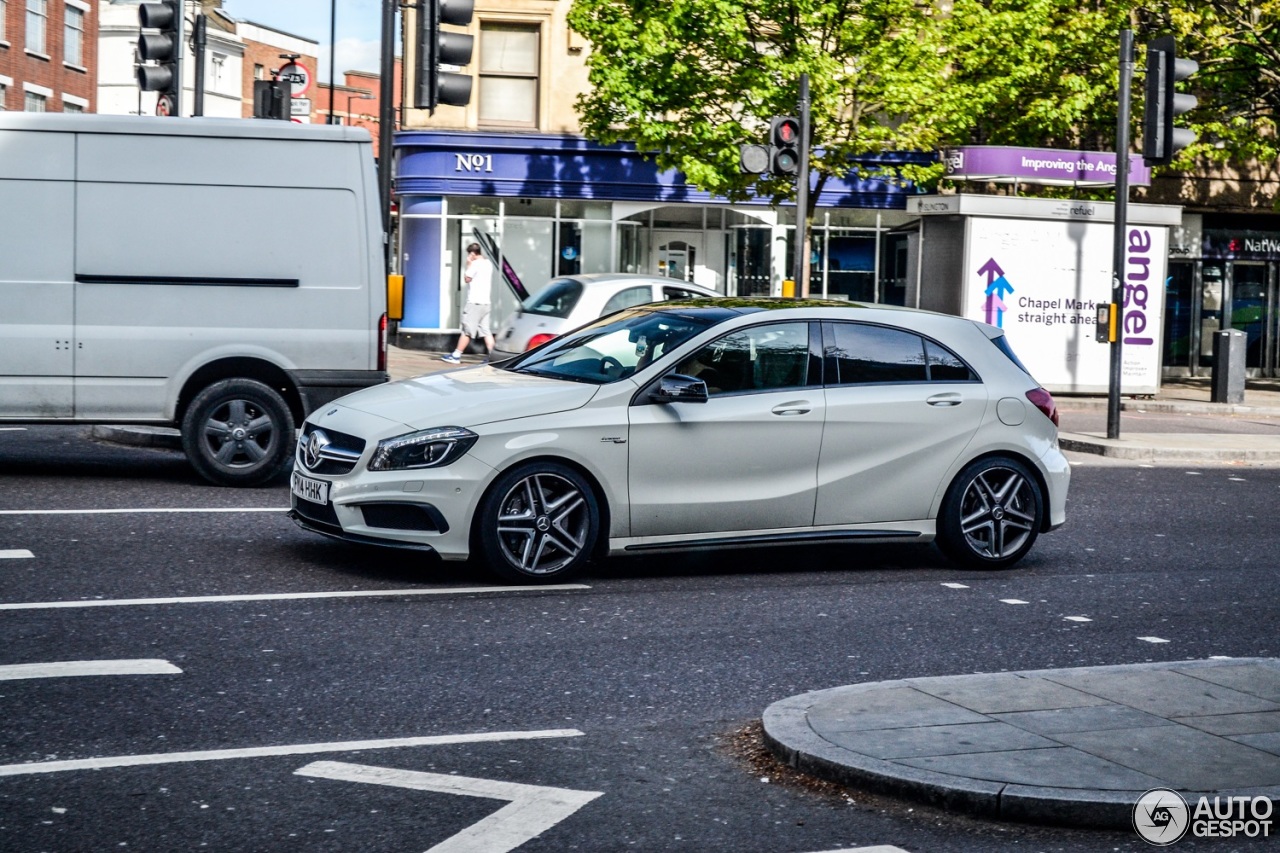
[(1075, 747)]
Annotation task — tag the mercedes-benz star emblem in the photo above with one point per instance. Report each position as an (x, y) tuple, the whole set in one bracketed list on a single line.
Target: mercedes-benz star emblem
[(311, 451)]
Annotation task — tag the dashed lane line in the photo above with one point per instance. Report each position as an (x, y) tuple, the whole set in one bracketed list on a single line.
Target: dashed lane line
[(15, 554), (34, 767), (67, 668), (287, 596), (143, 510)]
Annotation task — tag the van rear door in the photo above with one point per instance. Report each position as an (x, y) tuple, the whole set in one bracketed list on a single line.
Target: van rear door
[(37, 254)]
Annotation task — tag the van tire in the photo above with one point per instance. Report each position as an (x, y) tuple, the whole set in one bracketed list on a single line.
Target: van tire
[(238, 432)]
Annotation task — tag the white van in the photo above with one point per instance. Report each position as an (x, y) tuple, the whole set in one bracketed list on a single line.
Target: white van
[(224, 276)]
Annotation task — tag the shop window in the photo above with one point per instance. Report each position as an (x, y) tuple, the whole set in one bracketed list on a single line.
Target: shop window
[(73, 37), (509, 61), (37, 18)]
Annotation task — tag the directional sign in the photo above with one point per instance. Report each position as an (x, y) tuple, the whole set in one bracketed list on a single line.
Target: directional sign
[(298, 78), (531, 809)]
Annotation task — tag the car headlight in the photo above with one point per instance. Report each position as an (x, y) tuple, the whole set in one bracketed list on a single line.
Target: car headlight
[(428, 448)]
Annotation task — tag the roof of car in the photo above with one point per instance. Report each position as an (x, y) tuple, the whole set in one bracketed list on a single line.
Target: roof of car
[(720, 308)]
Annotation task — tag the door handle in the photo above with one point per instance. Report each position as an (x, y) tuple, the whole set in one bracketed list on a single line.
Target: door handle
[(945, 400), (796, 407)]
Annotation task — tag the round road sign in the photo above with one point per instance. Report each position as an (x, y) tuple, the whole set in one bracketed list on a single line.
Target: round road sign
[(298, 78)]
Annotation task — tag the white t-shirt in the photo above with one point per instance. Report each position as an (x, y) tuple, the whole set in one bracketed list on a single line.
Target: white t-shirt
[(479, 278)]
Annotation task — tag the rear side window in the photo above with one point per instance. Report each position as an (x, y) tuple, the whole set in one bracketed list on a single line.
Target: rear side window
[(864, 354), (556, 299), (628, 298), (1002, 344)]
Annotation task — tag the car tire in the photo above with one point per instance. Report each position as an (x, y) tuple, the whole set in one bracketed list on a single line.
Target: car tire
[(238, 432), (991, 515), (538, 523)]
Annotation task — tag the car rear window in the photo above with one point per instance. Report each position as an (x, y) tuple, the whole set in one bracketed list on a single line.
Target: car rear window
[(557, 299), (1002, 344)]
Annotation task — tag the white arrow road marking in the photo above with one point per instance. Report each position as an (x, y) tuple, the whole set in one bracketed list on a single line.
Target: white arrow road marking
[(532, 809), (265, 751), (15, 554), (289, 596), (60, 669)]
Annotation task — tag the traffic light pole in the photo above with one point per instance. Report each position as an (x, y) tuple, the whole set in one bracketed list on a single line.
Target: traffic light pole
[(386, 122), (802, 194), (1121, 223)]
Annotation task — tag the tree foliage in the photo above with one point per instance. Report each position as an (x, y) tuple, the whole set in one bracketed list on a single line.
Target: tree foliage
[(691, 80)]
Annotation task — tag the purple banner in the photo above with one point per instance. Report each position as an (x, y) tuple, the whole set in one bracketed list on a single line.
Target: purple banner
[(1052, 166)]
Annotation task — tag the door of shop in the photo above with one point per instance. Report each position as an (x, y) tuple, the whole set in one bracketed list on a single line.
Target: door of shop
[(678, 254), (1199, 296)]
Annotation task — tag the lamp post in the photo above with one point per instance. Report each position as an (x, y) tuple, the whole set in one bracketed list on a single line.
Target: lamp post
[(362, 96)]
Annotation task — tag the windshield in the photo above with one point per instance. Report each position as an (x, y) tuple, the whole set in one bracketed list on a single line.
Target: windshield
[(611, 348), (555, 300)]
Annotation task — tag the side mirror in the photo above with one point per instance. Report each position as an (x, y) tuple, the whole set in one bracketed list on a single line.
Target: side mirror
[(678, 388)]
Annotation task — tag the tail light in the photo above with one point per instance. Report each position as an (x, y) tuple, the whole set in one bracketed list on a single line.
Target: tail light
[(382, 342), (538, 340), (1043, 401)]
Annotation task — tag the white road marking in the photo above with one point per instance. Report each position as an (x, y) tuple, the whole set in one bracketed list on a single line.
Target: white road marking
[(13, 429), (287, 596), (143, 510), (955, 586), (1013, 601), (1152, 640), (531, 809), (879, 848), (15, 554), (67, 668), (1077, 618), (33, 767)]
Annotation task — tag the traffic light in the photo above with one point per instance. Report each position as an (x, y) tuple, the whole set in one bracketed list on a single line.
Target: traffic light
[(163, 47), (271, 99), (784, 136), (1160, 139), (436, 46)]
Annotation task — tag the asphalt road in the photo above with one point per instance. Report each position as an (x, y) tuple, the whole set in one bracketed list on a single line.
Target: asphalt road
[(407, 706)]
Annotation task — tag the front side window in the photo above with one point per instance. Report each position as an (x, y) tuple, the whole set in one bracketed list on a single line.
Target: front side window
[(509, 58), (761, 358), (865, 354), (73, 37), (37, 17)]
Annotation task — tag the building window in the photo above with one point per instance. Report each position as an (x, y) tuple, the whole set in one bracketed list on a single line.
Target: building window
[(37, 17), (4, 7), (73, 47), (35, 102), (509, 59), (259, 72), (218, 65), (4, 90), (72, 108)]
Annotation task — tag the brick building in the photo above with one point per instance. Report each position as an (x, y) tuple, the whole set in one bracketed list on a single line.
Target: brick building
[(48, 55)]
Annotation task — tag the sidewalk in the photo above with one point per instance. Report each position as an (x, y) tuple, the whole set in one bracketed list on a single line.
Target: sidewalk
[(1071, 747)]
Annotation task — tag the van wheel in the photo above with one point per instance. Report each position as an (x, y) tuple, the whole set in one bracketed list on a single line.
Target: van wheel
[(991, 515), (538, 523), (238, 432)]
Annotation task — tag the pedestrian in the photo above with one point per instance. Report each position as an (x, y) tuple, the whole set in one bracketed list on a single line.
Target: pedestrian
[(478, 275)]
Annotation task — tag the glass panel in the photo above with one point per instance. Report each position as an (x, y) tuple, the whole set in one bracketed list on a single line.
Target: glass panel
[(1177, 315), (687, 218), (849, 266), (556, 299), (508, 49), (628, 298), (569, 260), (751, 256), (762, 358), (466, 206), (509, 100), (1210, 309), (531, 207), (1249, 307), (586, 210), (944, 365), (876, 354), (633, 248), (597, 247)]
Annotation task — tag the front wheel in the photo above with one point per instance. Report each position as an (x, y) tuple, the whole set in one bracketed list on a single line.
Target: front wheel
[(238, 432), (991, 514), (538, 523)]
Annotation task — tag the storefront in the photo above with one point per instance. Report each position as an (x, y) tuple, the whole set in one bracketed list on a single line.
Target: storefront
[(1224, 273), (555, 205)]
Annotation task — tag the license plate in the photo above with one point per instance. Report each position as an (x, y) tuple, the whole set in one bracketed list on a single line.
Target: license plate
[(316, 491)]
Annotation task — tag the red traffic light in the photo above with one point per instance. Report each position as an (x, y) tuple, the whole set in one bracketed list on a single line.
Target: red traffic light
[(786, 131)]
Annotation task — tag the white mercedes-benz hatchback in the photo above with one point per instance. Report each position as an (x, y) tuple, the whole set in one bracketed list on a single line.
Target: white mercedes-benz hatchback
[(707, 423)]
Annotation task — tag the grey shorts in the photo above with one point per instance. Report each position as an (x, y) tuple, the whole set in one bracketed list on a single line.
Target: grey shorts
[(475, 320)]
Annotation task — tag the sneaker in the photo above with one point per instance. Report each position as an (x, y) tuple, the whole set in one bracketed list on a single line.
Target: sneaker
[(450, 359)]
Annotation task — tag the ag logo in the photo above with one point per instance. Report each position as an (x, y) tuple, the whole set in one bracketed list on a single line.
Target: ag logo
[(1161, 816)]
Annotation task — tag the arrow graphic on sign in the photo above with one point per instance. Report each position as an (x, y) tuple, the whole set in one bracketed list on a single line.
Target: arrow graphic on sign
[(530, 811), (997, 287)]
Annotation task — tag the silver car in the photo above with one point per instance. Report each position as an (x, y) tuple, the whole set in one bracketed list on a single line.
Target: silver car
[(574, 300), (709, 423)]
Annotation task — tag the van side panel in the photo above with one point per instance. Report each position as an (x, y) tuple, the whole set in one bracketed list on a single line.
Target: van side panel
[(176, 267), (37, 255)]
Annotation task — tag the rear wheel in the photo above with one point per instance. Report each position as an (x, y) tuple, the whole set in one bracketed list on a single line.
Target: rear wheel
[(538, 523), (238, 432), (991, 514)]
